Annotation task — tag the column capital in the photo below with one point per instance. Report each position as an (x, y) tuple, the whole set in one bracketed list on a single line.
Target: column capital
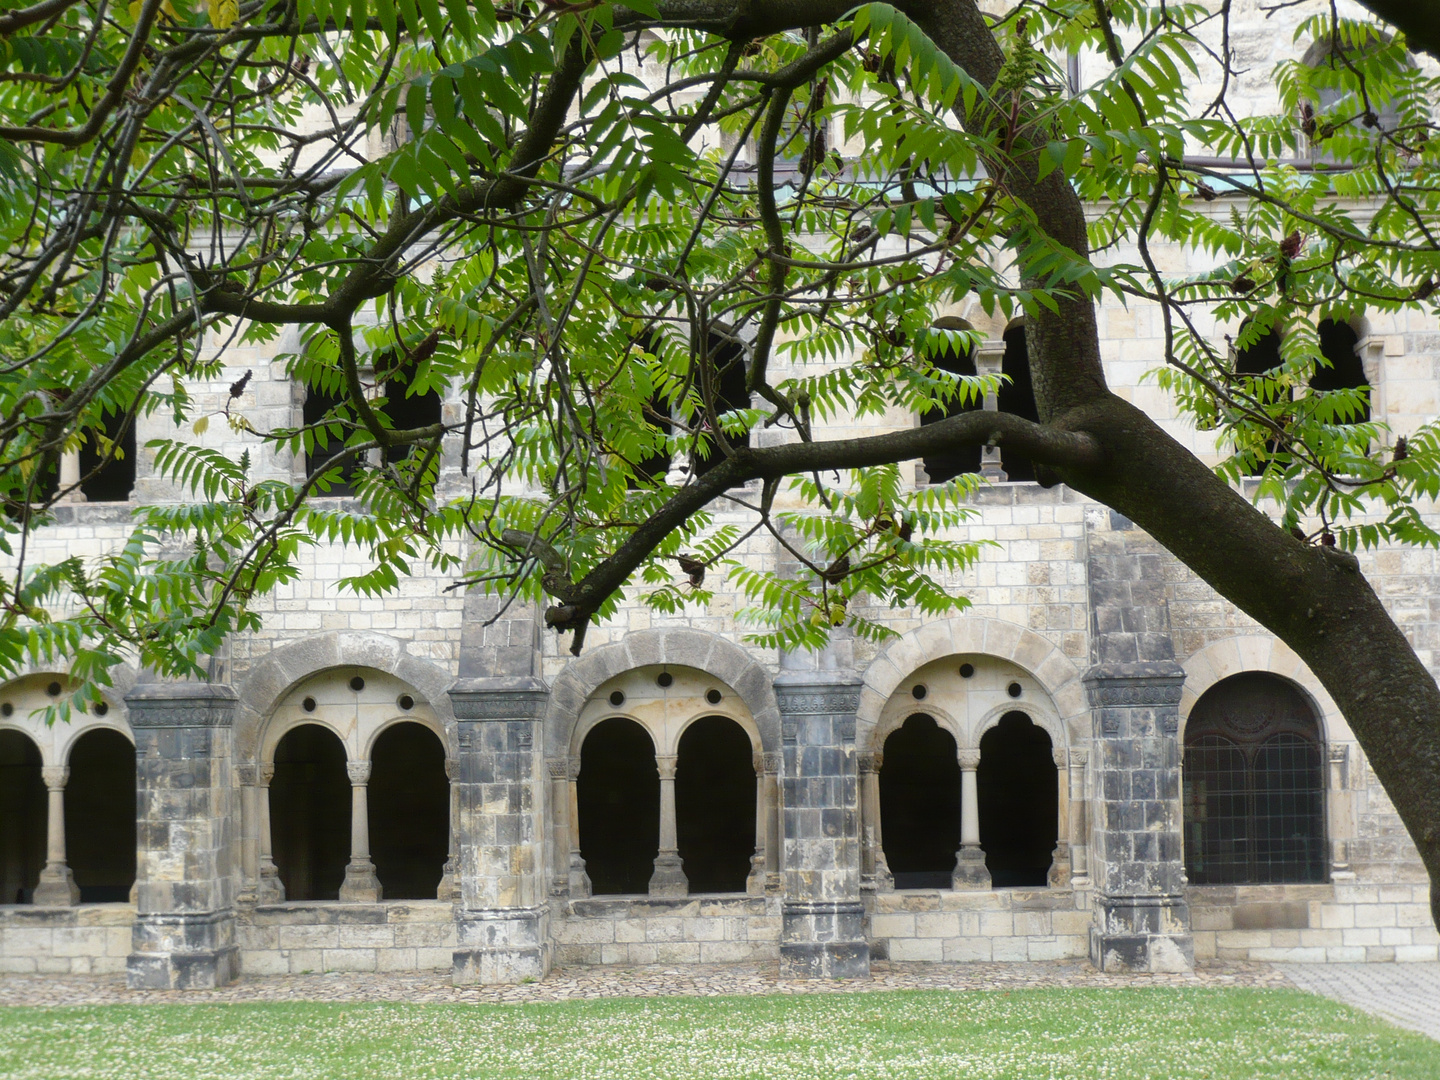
[(452, 769), (666, 764), (1079, 758), (969, 757), (1061, 756), (865, 762), (247, 774), (358, 771), (55, 776), (267, 773), (558, 768), (572, 767), (181, 705)]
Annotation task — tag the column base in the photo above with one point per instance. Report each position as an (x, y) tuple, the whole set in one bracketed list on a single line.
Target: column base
[(1059, 876), (579, 880), (269, 889), (57, 887), (449, 887), (183, 952), (669, 878), (1142, 933), (823, 940), (361, 886), (755, 881), (971, 873), (499, 946)]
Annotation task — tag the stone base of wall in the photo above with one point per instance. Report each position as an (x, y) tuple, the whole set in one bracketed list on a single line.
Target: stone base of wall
[(999, 924), (686, 930), (1342, 922), (298, 938), (92, 939)]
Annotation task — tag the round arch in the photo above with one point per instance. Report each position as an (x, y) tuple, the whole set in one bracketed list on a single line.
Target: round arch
[(26, 697), (1259, 652)]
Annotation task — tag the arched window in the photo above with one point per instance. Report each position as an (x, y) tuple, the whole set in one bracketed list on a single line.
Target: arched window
[(113, 480), (22, 817), (1336, 81), (1254, 785), (1019, 802), (920, 804), (1339, 345), (1254, 359), (727, 360), (329, 441), (618, 797), (310, 813), (950, 463), (409, 804), (100, 816), (1017, 396), (407, 410), (715, 804)]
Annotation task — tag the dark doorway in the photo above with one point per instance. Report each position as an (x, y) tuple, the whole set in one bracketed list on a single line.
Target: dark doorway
[(1254, 785), (22, 818), (618, 796), (113, 480), (1017, 396), (409, 800), (1019, 807), (715, 804), (920, 804), (100, 816), (950, 463), (1338, 344), (310, 813), (727, 384)]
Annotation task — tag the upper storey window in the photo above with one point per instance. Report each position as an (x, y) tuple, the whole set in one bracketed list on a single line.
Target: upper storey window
[(957, 359), (1017, 396)]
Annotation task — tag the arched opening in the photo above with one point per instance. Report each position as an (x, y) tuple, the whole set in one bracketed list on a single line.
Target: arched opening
[(100, 816), (1019, 803), (1255, 358), (920, 804), (22, 818), (310, 813), (1017, 396), (618, 796), (326, 443), (1254, 785), (957, 360), (407, 410), (112, 480), (409, 799), (715, 804), (727, 385), (1338, 344)]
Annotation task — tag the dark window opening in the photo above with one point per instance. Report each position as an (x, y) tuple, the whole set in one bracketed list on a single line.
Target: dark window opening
[(1338, 94), (23, 812), (618, 802), (329, 442), (1018, 398), (715, 804), (310, 813), (1254, 785), (653, 467), (952, 462), (1019, 805), (920, 804), (727, 359), (407, 411), (115, 479), (1338, 342), (409, 802), (1260, 357), (100, 816)]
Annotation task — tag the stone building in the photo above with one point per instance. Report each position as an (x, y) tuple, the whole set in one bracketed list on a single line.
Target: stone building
[(1101, 758)]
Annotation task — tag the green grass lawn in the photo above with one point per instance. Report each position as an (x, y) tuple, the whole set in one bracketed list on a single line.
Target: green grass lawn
[(1025, 1035)]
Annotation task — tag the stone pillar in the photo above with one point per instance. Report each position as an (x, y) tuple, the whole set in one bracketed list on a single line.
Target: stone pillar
[(874, 869), (1341, 805), (822, 925), (269, 889), (70, 478), (249, 777), (669, 876), (449, 887), (502, 921), (774, 823), (970, 870), (576, 879), (1142, 921), (1059, 877), (989, 359), (57, 886), (184, 934), (755, 880), (360, 886), (1079, 815)]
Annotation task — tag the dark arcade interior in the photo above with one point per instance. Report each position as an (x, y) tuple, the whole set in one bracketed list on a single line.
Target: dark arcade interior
[(310, 813), (112, 480), (715, 804), (22, 818), (1019, 803), (952, 462), (618, 802), (1017, 397), (409, 801), (100, 816), (920, 804)]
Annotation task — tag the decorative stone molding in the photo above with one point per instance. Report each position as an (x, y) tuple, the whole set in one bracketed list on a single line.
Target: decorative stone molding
[(248, 775), (452, 769), (55, 776), (358, 771), (558, 768), (518, 698), (969, 757)]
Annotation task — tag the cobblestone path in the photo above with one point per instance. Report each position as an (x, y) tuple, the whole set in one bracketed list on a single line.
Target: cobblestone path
[(1404, 994)]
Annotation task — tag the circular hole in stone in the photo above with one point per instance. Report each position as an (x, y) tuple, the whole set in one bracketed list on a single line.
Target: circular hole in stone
[(617, 697), (664, 679), (101, 708), (1014, 689), (53, 689), (918, 691), (406, 702), (967, 671), (7, 709), (308, 704), (713, 696), (357, 684)]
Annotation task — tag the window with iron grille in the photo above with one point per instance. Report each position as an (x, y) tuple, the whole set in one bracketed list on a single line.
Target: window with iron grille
[(1254, 785)]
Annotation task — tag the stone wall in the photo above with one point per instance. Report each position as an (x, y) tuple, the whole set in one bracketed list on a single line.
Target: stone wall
[(684, 930), (93, 939), (1001, 925), (295, 939)]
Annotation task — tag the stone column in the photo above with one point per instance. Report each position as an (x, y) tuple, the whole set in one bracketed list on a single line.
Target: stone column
[(774, 822), (57, 886), (822, 919), (249, 777), (874, 869), (1059, 877), (989, 359), (269, 889), (1142, 921), (1079, 814), (577, 880), (668, 878), (70, 475), (1341, 806), (970, 870), (449, 887), (502, 921), (186, 858), (755, 880), (360, 886)]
